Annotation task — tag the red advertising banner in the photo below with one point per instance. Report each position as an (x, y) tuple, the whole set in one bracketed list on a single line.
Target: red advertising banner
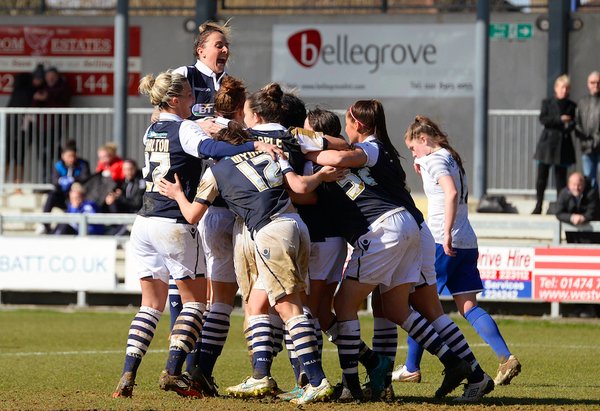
[(567, 274), (85, 55)]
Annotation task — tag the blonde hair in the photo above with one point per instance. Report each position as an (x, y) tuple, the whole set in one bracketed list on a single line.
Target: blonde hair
[(110, 148), (163, 88), (562, 79), (77, 187), (206, 29)]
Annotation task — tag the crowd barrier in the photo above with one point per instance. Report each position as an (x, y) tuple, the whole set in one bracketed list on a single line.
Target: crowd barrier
[(31, 137), (548, 271)]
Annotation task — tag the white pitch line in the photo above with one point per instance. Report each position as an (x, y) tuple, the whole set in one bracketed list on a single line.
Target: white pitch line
[(400, 347)]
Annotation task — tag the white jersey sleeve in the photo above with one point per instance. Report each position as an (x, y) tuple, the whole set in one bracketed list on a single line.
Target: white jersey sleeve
[(190, 137), (371, 150), (310, 141)]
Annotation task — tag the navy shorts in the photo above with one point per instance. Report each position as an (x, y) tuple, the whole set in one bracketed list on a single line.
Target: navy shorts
[(458, 274)]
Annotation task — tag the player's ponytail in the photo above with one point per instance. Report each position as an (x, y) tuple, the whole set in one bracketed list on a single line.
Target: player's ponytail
[(234, 134), (163, 88), (370, 116), (267, 103), (231, 97)]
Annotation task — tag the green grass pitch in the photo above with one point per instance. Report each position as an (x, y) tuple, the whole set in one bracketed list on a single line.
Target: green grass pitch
[(72, 360)]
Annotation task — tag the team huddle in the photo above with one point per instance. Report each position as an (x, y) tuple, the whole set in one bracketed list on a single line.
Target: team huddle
[(266, 198)]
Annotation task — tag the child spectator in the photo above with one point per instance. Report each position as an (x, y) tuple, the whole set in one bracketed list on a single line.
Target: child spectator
[(66, 171), (79, 205)]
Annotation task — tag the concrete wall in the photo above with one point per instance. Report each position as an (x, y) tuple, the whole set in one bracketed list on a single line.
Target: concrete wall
[(517, 68)]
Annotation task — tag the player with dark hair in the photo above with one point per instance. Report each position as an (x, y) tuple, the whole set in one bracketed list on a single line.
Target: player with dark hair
[(382, 223), (253, 187), (445, 184), (163, 242)]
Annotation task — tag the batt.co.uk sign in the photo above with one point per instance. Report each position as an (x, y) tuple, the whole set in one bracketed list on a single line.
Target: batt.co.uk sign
[(57, 264), (85, 55), (375, 60)]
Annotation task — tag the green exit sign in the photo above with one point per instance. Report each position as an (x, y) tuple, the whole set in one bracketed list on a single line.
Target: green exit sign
[(511, 31)]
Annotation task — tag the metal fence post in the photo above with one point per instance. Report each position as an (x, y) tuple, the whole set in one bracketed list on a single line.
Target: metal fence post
[(3, 141)]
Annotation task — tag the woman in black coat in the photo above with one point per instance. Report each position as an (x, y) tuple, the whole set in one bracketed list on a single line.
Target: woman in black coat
[(555, 146)]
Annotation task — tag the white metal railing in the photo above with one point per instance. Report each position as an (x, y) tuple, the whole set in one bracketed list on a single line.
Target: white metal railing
[(82, 220), (512, 137), (30, 139)]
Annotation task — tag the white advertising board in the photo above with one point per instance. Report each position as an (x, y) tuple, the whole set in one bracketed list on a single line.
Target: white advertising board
[(57, 264), (343, 60)]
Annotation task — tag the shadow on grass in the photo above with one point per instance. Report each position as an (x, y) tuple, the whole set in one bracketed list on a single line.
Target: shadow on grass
[(502, 401)]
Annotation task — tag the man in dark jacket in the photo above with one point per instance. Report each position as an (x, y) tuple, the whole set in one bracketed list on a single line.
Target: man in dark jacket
[(577, 204), (587, 129), (66, 171)]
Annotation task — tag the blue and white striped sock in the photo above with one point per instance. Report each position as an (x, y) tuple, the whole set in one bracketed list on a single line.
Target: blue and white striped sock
[(141, 333), (423, 333), (184, 335), (214, 335), (262, 345), (385, 341), (174, 302), (277, 324), (348, 343), (302, 332)]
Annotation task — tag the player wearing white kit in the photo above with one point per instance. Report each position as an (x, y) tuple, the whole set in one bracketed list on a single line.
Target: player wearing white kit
[(382, 224), (445, 184), (163, 242), (216, 230), (252, 186)]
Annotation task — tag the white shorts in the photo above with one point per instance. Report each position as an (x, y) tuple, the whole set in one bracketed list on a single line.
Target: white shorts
[(162, 247), (327, 259), (216, 230), (244, 258), (282, 253), (389, 254), (427, 276)]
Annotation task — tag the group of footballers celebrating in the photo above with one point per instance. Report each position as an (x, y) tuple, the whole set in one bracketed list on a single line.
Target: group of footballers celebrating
[(274, 213)]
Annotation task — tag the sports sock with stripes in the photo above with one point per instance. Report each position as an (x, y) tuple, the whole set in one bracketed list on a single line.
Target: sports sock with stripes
[(141, 332), (184, 335)]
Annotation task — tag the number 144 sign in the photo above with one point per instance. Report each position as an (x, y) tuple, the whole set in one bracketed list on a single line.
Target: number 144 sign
[(84, 55)]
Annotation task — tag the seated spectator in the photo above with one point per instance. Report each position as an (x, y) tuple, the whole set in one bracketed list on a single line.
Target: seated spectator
[(109, 163), (77, 204), (127, 197), (577, 203), (66, 171)]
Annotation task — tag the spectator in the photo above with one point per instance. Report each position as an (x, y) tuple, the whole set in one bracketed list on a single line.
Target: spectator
[(555, 146), (587, 129), (68, 170), (109, 163), (55, 93), (22, 96), (578, 202), (127, 197), (79, 205)]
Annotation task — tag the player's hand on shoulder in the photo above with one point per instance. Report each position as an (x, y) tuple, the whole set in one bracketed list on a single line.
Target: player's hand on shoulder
[(209, 126), (272, 150), (168, 189)]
